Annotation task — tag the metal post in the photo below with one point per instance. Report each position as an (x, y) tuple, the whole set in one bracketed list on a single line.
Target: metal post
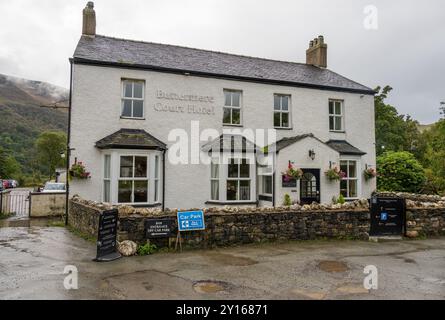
[(68, 149)]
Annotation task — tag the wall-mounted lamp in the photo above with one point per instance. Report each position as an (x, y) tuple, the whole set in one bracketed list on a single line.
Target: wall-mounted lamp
[(312, 154)]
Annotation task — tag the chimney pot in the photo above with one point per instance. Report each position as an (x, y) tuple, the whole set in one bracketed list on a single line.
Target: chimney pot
[(89, 20), (317, 54)]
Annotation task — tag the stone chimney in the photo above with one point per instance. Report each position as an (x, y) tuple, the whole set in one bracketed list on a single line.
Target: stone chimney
[(317, 54), (89, 20)]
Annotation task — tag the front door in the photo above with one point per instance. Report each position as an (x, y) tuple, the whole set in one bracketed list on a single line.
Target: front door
[(310, 186)]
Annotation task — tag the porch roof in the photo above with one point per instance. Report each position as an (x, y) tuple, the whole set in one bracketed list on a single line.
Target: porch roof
[(344, 147), (131, 139)]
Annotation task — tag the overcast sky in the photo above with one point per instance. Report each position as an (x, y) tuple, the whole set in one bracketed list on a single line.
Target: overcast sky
[(407, 51)]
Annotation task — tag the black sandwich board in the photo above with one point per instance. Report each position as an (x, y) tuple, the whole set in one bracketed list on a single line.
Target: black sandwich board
[(388, 216), (107, 237), (159, 228)]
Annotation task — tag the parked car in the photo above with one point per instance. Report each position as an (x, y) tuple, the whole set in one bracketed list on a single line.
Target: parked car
[(54, 187), (13, 183), (5, 184)]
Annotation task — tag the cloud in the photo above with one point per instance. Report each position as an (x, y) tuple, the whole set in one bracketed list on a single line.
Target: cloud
[(406, 52)]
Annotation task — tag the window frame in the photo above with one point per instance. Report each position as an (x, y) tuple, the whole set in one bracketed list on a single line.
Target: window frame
[(265, 171), (215, 179), (357, 178), (335, 115), (132, 99), (107, 179), (231, 107), (223, 160), (238, 178), (133, 179), (281, 111), (156, 178)]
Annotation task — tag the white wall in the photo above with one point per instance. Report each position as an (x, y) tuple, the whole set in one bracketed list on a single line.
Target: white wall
[(299, 154), (96, 107)]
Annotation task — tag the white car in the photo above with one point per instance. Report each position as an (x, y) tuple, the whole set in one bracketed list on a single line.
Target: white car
[(54, 187)]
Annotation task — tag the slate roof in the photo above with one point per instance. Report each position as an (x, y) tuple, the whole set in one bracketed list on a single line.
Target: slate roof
[(110, 51), (344, 147), (230, 142), (285, 142), (131, 139)]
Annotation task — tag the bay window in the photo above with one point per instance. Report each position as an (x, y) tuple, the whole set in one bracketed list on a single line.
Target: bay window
[(233, 180), (133, 179), (238, 180)]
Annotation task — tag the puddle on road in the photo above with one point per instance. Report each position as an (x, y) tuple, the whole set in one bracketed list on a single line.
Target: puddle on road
[(209, 286), (333, 266)]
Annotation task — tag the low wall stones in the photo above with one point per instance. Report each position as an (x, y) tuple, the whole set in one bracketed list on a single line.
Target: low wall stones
[(243, 228), (425, 222), (233, 227), (84, 218)]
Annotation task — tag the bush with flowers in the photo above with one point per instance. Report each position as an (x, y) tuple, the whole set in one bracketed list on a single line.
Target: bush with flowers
[(292, 173), (370, 173), (335, 174)]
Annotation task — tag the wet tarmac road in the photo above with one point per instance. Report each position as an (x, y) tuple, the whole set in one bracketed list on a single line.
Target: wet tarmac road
[(32, 260)]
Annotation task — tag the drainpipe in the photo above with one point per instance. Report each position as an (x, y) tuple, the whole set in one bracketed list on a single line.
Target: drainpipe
[(68, 149), (163, 180)]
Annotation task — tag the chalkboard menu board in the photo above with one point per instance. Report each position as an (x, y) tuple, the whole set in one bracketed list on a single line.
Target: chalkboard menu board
[(159, 228), (107, 237), (288, 183), (387, 216)]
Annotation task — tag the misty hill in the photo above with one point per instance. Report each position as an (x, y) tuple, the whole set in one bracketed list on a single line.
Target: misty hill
[(22, 119)]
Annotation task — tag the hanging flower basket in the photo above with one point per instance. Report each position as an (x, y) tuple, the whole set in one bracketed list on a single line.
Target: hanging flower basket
[(78, 171), (335, 174), (292, 173), (370, 173)]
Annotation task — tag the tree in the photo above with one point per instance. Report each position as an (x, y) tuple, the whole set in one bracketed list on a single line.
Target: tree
[(49, 146), (434, 157), (9, 167), (399, 171), (394, 132)]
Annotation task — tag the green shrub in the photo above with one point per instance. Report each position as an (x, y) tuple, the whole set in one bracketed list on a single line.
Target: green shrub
[(341, 199), (146, 249), (399, 171), (287, 201)]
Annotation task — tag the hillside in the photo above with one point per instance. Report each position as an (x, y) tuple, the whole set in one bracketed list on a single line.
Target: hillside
[(424, 127), (22, 119)]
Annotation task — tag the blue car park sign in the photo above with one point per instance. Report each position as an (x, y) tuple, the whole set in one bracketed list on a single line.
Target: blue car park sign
[(191, 221)]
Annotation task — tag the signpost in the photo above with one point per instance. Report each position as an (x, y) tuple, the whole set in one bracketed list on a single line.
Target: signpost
[(159, 228), (387, 216), (107, 237), (189, 221)]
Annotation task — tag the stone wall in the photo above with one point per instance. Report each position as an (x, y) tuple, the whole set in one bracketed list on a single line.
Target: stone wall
[(47, 204), (241, 228), (84, 218), (425, 222), (232, 226)]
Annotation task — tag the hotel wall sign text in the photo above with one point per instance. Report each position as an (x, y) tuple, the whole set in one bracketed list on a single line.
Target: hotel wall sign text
[(184, 103)]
